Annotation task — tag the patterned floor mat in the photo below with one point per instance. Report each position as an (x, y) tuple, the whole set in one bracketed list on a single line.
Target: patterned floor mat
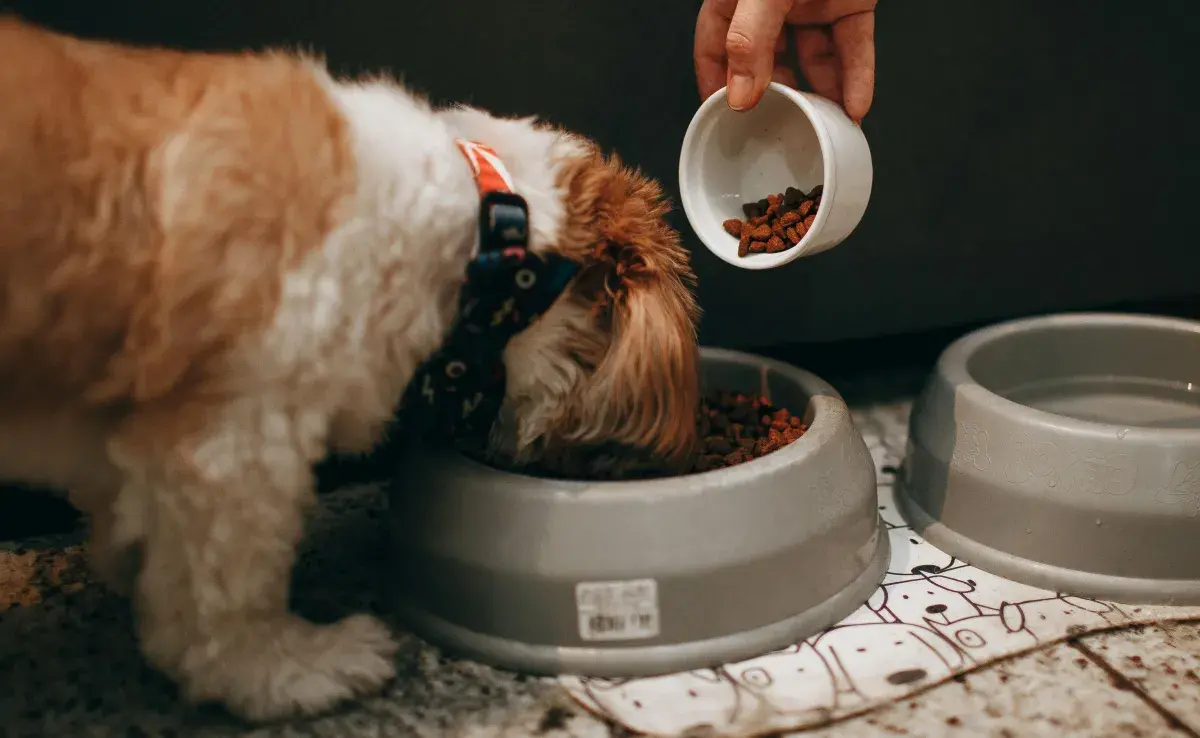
[(933, 617)]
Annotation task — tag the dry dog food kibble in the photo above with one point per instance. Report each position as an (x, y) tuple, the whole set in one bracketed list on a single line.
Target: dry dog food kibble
[(736, 428), (732, 429), (775, 223)]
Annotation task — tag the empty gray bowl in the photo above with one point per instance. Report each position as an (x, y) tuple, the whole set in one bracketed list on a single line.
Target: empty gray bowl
[(1064, 452), (636, 578)]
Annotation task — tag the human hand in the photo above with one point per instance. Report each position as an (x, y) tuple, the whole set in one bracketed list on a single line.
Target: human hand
[(740, 43)]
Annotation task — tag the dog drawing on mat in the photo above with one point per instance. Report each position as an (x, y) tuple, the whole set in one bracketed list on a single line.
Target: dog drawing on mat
[(215, 268)]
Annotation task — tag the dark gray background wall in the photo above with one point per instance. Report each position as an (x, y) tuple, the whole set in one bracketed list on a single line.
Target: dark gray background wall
[(1029, 156)]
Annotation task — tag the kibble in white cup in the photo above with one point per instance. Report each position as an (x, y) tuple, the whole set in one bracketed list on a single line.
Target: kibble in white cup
[(790, 139)]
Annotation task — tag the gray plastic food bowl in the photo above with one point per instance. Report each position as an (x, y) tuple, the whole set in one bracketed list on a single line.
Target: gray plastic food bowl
[(1064, 452), (636, 578)]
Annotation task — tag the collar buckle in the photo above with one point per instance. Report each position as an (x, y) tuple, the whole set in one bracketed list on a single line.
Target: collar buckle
[(503, 221)]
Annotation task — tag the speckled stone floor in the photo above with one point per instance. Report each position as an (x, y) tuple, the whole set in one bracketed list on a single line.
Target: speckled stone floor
[(69, 666)]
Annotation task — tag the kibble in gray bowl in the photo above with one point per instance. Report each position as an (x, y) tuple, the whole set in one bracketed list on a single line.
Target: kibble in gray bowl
[(634, 578)]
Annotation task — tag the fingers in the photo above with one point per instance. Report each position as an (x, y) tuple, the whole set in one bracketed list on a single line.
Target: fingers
[(826, 12), (737, 43), (854, 42), (784, 73), (708, 54), (784, 76), (818, 61), (750, 49)]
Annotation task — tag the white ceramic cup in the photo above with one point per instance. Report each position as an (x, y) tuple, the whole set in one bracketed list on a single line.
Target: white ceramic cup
[(790, 139)]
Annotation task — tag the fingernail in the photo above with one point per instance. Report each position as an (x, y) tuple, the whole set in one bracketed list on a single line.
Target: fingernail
[(741, 89)]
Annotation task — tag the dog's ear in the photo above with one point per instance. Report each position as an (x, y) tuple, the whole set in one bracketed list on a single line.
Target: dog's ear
[(649, 375), (644, 391)]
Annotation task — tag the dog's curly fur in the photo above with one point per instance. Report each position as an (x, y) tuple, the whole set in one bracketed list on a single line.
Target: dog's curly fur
[(216, 268)]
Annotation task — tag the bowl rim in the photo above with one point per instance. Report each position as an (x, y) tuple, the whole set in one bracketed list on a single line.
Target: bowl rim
[(826, 402), (702, 117), (953, 367)]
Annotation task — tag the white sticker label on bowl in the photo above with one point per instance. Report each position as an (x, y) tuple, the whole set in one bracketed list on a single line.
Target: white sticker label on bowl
[(617, 611)]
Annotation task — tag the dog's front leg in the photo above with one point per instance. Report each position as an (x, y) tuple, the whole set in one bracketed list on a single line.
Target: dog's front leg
[(224, 515), (115, 528)]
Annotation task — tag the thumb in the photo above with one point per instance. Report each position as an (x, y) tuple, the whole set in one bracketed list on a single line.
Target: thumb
[(750, 49)]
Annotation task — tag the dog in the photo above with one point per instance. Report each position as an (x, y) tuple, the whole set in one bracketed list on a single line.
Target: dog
[(217, 268)]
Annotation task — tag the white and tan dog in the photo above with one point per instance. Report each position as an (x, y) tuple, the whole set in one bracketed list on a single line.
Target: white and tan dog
[(216, 268)]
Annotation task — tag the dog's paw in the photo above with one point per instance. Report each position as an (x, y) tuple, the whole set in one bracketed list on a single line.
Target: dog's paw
[(290, 668)]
